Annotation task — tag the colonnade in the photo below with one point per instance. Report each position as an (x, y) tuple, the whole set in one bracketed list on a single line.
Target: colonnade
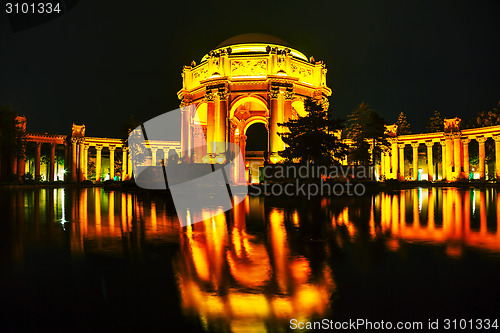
[(455, 162)]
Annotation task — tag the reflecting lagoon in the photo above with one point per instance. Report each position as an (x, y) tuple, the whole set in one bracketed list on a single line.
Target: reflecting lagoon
[(91, 259)]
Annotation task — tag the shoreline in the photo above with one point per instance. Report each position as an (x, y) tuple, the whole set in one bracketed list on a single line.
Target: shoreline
[(371, 186)]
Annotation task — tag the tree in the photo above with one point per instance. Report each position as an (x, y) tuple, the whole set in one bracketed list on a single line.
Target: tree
[(12, 137), (435, 123), (137, 150), (403, 125), (312, 138), (366, 129), (483, 119), (487, 118)]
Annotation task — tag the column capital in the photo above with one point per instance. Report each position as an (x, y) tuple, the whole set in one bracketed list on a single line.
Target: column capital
[(429, 143), (288, 94), (38, 144), (112, 148), (274, 92), (465, 141), (222, 93), (415, 144), (99, 147), (125, 149), (481, 139), (443, 143), (75, 140), (401, 145), (153, 149), (496, 138), (209, 96)]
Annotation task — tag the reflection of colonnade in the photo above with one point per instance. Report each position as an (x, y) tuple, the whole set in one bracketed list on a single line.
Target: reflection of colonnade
[(441, 215), (453, 144)]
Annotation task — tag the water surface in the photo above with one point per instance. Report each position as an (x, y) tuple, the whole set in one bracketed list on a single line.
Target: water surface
[(98, 260)]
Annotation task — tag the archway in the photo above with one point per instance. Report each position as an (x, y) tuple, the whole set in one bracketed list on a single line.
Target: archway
[(256, 148)]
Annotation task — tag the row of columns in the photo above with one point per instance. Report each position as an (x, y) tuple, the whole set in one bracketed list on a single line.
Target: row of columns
[(79, 160), (454, 158), (280, 105)]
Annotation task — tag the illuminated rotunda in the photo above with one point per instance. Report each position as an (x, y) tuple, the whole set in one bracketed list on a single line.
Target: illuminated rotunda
[(245, 80)]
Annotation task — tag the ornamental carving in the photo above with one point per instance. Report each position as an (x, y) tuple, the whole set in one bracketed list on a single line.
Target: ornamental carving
[(452, 125), (300, 71), (391, 130), (222, 94), (209, 96), (274, 92), (78, 131), (248, 67), (288, 94)]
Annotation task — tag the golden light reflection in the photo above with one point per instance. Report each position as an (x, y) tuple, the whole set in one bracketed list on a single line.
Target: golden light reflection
[(264, 282), (457, 229)]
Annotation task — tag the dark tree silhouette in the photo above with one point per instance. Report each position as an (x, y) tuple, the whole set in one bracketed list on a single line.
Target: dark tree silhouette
[(366, 129), (312, 137), (435, 123), (403, 125)]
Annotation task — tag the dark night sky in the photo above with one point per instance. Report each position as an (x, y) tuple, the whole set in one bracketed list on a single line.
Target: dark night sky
[(105, 60)]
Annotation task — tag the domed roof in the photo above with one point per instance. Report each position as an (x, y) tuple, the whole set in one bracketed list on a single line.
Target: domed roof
[(255, 43), (253, 38)]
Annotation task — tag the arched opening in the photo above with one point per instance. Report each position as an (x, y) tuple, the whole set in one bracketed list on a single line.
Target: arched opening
[(255, 150)]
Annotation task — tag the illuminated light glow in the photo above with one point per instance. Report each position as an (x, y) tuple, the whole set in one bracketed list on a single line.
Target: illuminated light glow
[(296, 218), (282, 307), (249, 305)]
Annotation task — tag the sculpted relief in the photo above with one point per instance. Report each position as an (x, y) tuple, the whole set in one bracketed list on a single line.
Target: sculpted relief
[(249, 67)]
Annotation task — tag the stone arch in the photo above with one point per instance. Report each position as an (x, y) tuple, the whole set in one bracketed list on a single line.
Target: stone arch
[(253, 120), (247, 98)]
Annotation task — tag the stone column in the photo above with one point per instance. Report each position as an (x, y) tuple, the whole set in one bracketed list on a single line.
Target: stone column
[(153, 155), (430, 164), (186, 131), (449, 159), (465, 146), (382, 163), (401, 147), (73, 159), (243, 173), (415, 145), (221, 122), (124, 162), (457, 156), (52, 172), (85, 164), (210, 121), (129, 166), (37, 160), (67, 162), (98, 149), (82, 173), (443, 159), (394, 160), (482, 156), (21, 163), (387, 166), (275, 142), (497, 156), (288, 104), (112, 162)]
